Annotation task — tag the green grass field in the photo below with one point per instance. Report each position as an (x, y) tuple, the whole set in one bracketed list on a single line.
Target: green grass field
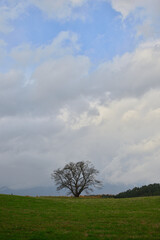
[(48, 218)]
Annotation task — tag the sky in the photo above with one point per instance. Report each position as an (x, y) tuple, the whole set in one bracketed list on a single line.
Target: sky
[(79, 81)]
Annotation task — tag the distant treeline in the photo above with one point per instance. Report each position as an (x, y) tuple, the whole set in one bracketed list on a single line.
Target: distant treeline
[(150, 190)]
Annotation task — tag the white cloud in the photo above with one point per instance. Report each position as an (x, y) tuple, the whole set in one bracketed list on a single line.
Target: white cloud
[(110, 116), (60, 9), (122, 139), (2, 43), (12, 92), (10, 80), (65, 43), (61, 80), (132, 73), (125, 7), (9, 11), (45, 68), (145, 10), (3, 52), (57, 9)]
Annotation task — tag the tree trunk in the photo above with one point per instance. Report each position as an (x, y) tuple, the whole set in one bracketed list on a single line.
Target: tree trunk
[(76, 195)]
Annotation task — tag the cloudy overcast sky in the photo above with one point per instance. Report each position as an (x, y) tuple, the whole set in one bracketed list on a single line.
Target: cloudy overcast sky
[(79, 80)]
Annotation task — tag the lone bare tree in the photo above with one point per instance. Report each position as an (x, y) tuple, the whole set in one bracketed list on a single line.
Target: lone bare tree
[(76, 177)]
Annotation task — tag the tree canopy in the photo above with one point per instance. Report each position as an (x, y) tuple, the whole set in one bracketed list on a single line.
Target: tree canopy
[(150, 190), (76, 178)]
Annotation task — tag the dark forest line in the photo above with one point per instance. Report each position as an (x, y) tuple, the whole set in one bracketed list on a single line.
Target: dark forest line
[(144, 191)]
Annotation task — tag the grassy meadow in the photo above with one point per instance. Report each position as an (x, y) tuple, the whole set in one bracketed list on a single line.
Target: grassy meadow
[(49, 218)]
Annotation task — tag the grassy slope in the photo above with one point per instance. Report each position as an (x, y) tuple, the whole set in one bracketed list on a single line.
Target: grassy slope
[(68, 218)]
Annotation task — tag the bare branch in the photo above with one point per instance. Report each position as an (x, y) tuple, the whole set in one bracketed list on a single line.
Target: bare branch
[(76, 177)]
